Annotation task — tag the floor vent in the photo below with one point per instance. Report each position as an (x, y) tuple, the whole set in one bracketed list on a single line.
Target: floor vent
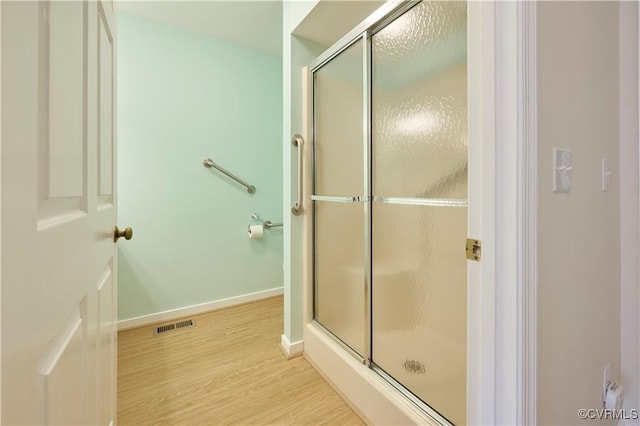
[(173, 326), (183, 324)]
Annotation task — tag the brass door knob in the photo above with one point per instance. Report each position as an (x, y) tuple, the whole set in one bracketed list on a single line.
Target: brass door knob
[(127, 233)]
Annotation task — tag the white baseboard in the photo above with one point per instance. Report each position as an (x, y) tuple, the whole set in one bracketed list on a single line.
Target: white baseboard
[(291, 350), (198, 309)]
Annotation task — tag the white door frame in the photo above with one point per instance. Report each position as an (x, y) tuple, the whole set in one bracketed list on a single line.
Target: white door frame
[(503, 285)]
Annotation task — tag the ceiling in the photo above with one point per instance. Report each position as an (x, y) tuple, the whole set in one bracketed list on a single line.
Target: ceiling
[(252, 24), (331, 19)]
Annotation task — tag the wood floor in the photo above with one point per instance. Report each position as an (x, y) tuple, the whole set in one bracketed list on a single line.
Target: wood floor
[(228, 369)]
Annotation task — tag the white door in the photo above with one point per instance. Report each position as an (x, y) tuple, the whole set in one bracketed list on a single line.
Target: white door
[(58, 213)]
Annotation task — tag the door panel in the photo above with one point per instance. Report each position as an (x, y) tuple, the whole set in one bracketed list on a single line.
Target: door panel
[(105, 106), (65, 107), (421, 125), (339, 271), (338, 110), (419, 302), (419, 138), (63, 372), (58, 264), (61, 146), (339, 176), (419, 101)]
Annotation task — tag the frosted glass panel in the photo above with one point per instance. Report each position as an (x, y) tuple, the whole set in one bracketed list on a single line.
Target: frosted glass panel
[(419, 100), (419, 132), (339, 270), (338, 96), (419, 302)]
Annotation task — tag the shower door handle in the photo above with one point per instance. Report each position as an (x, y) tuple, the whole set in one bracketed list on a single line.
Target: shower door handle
[(298, 142)]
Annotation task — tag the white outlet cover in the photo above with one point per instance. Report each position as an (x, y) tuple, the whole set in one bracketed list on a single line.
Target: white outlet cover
[(562, 167)]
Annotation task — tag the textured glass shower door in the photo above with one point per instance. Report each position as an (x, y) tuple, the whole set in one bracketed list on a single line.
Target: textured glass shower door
[(419, 172), (390, 200), (339, 214)]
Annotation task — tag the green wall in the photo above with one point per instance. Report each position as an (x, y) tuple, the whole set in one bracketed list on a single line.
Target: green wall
[(184, 96)]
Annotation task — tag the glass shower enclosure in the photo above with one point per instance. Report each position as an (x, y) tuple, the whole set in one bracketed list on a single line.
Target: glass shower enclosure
[(390, 200)]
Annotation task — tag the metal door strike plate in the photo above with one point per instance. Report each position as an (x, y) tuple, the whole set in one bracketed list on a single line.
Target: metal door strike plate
[(474, 249)]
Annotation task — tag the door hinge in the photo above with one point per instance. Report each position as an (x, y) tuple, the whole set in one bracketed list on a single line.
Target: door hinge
[(474, 249)]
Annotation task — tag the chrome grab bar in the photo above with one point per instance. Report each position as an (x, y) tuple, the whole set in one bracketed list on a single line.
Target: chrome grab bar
[(208, 163), (297, 141)]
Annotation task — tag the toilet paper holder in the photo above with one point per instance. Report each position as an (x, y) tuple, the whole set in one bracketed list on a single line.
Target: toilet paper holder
[(255, 219)]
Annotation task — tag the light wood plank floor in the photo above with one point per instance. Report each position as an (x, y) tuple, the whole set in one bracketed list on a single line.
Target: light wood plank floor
[(228, 369)]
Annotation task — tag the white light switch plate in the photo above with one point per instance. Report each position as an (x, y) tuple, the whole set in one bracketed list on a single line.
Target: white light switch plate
[(562, 167)]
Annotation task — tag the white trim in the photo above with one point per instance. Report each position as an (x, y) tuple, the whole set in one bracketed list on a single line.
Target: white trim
[(481, 217), (1, 261), (502, 287), (629, 164), (507, 250), (198, 309), (528, 210), (638, 158), (291, 350)]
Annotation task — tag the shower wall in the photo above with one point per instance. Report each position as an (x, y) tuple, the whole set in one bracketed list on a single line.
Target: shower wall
[(184, 96)]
